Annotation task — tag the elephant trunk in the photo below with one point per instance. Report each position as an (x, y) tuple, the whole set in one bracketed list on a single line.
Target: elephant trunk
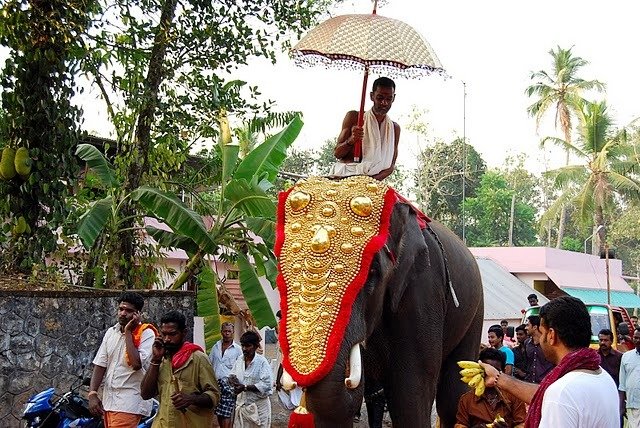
[(331, 401), (336, 398)]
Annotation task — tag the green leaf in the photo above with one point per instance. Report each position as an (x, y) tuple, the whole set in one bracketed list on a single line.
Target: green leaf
[(208, 309), (254, 294), (271, 268), (229, 159), (169, 239), (94, 220), (264, 228), (268, 156), (102, 168), (182, 220), (251, 199)]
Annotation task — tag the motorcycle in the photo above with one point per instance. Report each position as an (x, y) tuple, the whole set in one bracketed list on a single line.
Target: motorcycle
[(70, 410)]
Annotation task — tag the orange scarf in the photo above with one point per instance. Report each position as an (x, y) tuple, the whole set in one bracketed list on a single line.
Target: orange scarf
[(183, 354), (137, 337)]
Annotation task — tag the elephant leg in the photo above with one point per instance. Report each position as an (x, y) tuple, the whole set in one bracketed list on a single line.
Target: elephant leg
[(450, 387), (410, 397)]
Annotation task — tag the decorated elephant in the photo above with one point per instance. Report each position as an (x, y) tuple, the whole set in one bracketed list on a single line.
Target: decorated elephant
[(373, 291)]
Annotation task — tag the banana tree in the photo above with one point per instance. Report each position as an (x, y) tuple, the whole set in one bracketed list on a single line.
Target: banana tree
[(244, 210)]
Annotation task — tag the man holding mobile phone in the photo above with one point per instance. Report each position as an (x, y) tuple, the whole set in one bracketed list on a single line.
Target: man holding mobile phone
[(121, 362)]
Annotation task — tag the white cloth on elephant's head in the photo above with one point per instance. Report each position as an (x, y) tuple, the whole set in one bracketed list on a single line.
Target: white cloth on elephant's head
[(378, 147)]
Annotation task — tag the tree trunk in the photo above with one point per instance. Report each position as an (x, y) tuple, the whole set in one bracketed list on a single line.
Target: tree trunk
[(511, 219), (602, 233), (138, 164), (561, 226)]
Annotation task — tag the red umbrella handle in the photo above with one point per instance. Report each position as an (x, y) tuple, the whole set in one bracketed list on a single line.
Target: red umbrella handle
[(357, 146)]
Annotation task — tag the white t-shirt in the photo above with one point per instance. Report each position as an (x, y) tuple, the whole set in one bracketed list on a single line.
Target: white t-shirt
[(581, 399)]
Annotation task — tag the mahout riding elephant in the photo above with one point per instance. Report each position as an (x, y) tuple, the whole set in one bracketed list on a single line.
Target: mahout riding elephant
[(418, 311)]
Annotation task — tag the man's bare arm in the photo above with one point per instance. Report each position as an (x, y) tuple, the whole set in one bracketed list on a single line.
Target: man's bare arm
[(387, 172), (344, 147), (522, 390)]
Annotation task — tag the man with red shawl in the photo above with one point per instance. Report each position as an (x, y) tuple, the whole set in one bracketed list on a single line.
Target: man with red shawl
[(182, 376), (577, 392)]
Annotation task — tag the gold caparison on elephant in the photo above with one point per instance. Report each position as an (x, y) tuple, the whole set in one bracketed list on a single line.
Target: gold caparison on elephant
[(371, 293)]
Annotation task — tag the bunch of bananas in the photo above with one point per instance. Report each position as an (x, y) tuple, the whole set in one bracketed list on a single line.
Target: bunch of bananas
[(496, 420), (473, 375)]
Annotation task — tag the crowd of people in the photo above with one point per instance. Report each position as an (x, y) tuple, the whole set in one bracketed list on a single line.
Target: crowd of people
[(137, 362), (555, 378), (545, 376)]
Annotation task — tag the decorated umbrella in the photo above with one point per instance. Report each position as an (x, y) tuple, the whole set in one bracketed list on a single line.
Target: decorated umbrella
[(370, 42)]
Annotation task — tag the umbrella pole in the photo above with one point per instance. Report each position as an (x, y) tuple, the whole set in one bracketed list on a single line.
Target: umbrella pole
[(357, 147)]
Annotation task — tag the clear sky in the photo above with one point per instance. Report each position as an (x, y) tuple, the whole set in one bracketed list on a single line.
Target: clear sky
[(493, 47)]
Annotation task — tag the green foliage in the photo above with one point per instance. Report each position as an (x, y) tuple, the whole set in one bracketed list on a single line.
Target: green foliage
[(608, 170), (37, 84), (572, 244), (245, 208), (624, 235), (439, 180), (207, 302), (488, 215)]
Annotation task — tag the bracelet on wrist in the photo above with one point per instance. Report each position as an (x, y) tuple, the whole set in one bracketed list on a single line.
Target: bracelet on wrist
[(92, 393), (153, 363)]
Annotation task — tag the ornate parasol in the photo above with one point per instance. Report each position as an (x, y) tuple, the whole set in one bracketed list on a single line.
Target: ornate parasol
[(372, 43)]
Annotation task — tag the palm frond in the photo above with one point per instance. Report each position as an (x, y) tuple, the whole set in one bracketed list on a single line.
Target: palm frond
[(571, 148)]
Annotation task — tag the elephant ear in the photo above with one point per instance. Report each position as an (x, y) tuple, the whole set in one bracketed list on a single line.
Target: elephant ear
[(411, 251)]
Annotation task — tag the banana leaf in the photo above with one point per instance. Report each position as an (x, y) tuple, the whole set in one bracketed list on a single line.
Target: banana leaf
[(254, 294), (170, 240), (207, 300), (94, 220), (264, 228), (98, 163), (253, 201), (183, 220), (229, 159), (268, 156)]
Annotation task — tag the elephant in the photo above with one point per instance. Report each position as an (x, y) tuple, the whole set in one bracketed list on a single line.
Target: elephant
[(419, 311)]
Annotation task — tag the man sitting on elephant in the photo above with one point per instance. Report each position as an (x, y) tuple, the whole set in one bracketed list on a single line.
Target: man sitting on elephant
[(478, 411)]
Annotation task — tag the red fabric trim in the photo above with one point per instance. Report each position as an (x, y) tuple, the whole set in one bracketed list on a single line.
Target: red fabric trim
[(344, 314), (298, 420), (183, 354)]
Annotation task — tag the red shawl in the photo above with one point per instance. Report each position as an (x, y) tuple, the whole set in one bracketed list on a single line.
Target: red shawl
[(183, 354), (582, 359)]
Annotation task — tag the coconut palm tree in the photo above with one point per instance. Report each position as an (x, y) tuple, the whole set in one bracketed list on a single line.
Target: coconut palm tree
[(610, 168), (561, 88)]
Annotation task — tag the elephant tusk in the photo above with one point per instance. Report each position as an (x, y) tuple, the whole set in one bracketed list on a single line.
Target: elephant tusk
[(355, 368), (287, 381)]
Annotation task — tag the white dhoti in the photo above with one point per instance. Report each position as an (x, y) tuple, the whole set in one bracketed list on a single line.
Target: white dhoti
[(378, 147), (254, 415)]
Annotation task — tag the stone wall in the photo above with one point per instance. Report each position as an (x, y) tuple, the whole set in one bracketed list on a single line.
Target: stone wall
[(49, 338)]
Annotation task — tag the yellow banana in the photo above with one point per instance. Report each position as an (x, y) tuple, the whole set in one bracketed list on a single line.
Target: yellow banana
[(480, 388), (468, 365), (498, 418), (476, 380), (470, 372), (489, 425), (467, 379)]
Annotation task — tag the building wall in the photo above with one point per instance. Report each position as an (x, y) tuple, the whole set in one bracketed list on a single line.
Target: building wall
[(49, 338)]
